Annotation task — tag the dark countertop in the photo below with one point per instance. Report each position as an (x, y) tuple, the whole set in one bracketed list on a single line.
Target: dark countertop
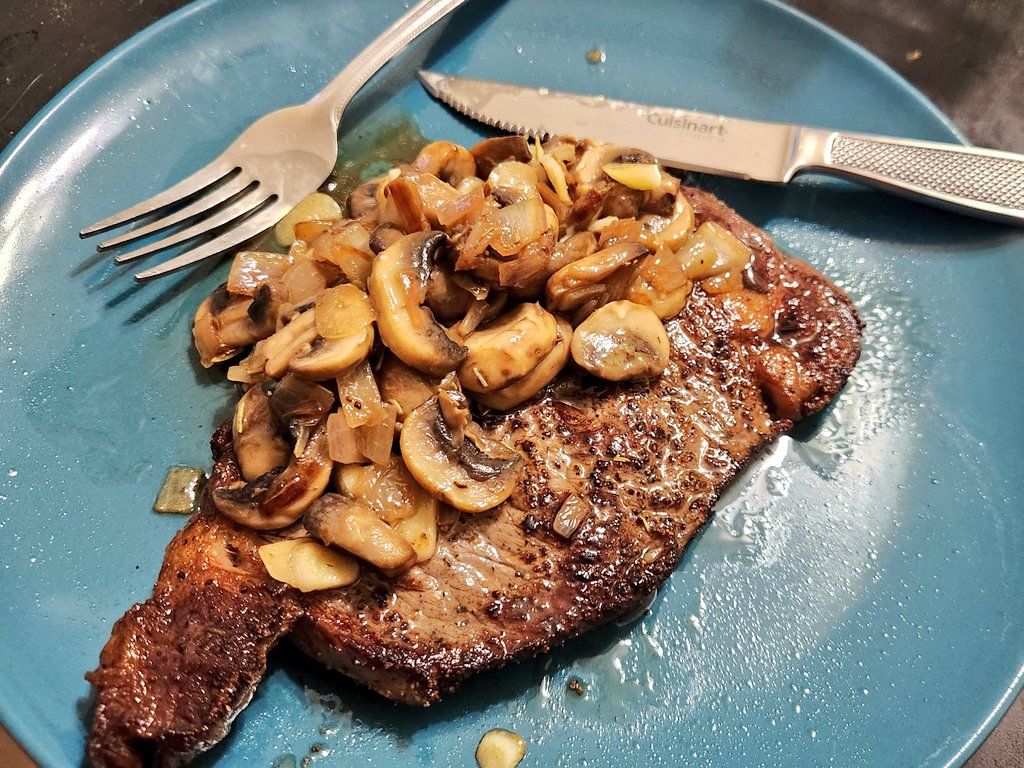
[(966, 55)]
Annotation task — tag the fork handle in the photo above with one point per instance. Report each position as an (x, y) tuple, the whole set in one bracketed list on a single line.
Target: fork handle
[(983, 182), (389, 44)]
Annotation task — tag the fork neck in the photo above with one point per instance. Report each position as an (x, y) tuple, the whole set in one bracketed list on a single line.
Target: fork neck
[(339, 92)]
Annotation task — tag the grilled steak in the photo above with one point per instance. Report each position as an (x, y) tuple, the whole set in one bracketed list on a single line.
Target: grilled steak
[(645, 462)]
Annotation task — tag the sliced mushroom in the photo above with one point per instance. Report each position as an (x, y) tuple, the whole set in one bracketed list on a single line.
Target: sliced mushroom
[(489, 152), (622, 341), (593, 280), (404, 386), (294, 337), (447, 295), (344, 324), (446, 160), (398, 289), (384, 235), (508, 348), (589, 168), (397, 499), (349, 523), (327, 358), (256, 436), (543, 373), (308, 565), (225, 324), (362, 201), (452, 458), (278, 500)]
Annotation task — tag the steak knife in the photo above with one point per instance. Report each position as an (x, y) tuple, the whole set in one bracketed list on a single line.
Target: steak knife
[(981, 182)]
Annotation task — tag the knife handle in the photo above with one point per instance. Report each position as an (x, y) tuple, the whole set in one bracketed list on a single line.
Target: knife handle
[(983, 182)]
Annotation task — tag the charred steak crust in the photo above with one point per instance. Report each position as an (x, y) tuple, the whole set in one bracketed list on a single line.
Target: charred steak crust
[(649, 461), (179, 667)]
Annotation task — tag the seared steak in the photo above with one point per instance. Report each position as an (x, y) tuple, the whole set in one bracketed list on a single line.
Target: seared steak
[(646, 462)]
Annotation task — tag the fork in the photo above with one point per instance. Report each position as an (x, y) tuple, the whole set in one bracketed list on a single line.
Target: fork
[(269, 168)]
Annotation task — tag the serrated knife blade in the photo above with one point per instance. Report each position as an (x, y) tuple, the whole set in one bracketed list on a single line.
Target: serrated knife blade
[(981, 182)]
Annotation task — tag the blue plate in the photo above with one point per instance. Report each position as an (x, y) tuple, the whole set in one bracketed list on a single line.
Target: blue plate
[(859, 598)]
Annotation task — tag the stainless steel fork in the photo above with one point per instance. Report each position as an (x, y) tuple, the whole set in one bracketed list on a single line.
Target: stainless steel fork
[(276, 162)]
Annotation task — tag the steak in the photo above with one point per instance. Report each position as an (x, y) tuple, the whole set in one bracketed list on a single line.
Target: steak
[(646, 463)]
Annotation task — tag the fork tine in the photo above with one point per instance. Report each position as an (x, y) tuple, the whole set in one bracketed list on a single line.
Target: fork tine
[(206, 202), (202, 178), (247, 203), (247, 229)]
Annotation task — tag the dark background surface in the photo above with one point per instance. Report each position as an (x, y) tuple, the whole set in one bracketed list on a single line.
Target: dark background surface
[(966, 55)]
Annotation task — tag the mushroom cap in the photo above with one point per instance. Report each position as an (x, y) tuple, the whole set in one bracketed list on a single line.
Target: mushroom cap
[(543, 373), (398, 289), (621, 341), (256, 435), (473, 474), (349, 523), (326, 358), (508, 348), (277, 500)]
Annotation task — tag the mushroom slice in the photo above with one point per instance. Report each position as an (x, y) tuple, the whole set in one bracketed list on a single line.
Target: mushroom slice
[(344, 324), (397, 499), (453, 459), (326, 358), (256, 435), (398, 289), (349, 523), (448, 293), (543, 373), (508, 348), (225, 323), (276, 501), (362, 201), (622, 341), (289, 342), (404, 386), (593, 279), (384, 235), (448, 161), (489, 152)]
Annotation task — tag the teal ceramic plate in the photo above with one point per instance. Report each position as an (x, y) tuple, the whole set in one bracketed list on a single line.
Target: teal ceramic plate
[(859, 598)]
